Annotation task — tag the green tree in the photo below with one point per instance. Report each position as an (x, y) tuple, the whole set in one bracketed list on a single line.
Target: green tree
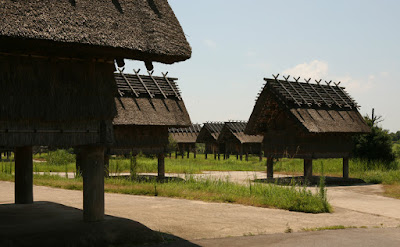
[(376, 145)]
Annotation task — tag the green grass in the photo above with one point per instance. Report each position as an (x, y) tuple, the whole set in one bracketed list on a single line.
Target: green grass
[(292, 198)]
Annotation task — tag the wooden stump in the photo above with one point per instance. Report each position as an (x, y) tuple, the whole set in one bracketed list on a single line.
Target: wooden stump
[(106, 165), (270, 167), (93, 182), (161, 166), (308, 169), (23, 175), (346, 168)]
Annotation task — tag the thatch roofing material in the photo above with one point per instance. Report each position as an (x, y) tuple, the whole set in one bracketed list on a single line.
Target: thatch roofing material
[(209, 132), (310, 94), (327, 109), (237, 130), (144, 110), (185, 135), (136, 29)]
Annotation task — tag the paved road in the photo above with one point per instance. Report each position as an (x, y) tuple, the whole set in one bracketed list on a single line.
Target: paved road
[(198, 220), (389, 237)]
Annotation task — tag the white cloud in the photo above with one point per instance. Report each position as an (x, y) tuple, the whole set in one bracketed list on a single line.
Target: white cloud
[(210, 43), (315, 69), (355, 86)]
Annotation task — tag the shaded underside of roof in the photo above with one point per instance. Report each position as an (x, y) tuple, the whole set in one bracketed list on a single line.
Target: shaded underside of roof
[(236, 129), (135, 29), (318, 117)]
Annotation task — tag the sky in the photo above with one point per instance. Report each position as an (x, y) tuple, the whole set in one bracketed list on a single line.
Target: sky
[(235, 44)]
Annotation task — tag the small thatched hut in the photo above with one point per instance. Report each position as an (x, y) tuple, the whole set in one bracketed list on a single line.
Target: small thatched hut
[(307, 121), (208, 135), (57, 82), (237, 142), (147, 106), (185, 139)]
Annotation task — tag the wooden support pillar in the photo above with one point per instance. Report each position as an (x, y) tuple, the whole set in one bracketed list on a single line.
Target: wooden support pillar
[(308, 168), (346, 168), (270, 167), (93, 182), (106, 165), (260, 156), (241, 152), (176, 153), (78, 162), (188, 151), (23, 175), (161, 166), (205, 153), (247, 156), (194, 151)]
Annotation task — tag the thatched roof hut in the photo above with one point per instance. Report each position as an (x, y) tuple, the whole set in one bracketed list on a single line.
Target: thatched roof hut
[(209, 135), (57, 82), (105, 30), (185, 138), (236, 141), (305, 120), (147, 106)]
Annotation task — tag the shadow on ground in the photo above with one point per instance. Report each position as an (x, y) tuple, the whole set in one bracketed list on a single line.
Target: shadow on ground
[(315, 180), (52, 224)]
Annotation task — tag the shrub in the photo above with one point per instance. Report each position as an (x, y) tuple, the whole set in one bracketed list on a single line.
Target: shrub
[(374, 146), (60, 157)]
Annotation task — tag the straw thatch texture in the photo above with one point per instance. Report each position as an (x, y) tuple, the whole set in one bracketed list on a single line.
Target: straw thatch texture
[(54, 102), (144, 114), (136, 29), (144, 110), (185, 135), (305, 120), (316, 117), (209, 132), (234, 132)]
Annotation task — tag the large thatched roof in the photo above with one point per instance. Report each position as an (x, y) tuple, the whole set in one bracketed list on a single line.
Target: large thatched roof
[(149, 100), (136, 29), (185, 135), (316, 108), (234, 130)]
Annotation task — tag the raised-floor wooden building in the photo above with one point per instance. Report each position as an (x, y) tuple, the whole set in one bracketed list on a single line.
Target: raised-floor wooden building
[(147, 106), (185, 139), (57, 78), (234, 139), (208, 135), (306, 120)]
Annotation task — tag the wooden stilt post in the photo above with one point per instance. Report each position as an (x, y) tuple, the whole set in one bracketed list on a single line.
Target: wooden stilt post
[(270, 167), (78, 162), (345, 168), (241, 152), (308, 169), (194, 151), (161, 166), (93, 182), (176, 153), (23, 175), (247, 156), (106, 165), (188, 151)]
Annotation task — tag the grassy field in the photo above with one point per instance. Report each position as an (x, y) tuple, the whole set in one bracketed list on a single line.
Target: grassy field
[(292, 198)]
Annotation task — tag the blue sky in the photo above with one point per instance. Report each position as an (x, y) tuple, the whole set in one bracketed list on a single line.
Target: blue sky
[(238, 43)]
